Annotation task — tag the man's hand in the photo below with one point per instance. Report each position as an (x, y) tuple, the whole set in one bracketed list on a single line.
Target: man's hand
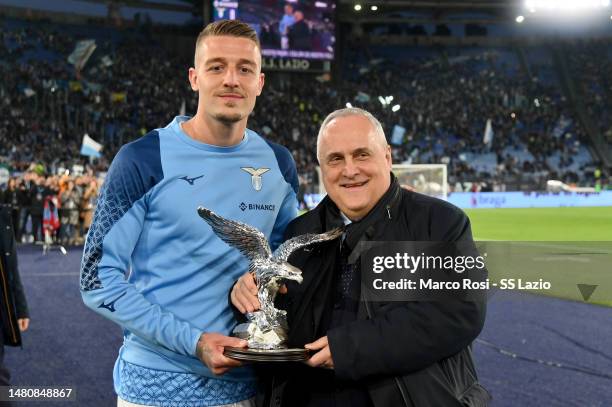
[(210, 351), (323, 357), (23, 323), (244, 294)]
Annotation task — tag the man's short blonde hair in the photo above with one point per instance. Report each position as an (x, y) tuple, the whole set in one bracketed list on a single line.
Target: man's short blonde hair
[(230, 28)]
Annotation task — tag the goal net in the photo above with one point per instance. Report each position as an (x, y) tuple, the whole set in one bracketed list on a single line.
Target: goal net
[(428, 179)]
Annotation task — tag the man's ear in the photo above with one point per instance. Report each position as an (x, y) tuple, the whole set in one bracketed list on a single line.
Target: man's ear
[(262, 81), (389, 156), (193, 79)]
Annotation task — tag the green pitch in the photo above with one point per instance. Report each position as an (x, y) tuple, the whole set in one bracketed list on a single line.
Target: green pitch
[(548, 224), (566, 246)]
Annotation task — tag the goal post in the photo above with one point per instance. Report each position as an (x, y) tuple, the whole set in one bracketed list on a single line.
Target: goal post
[(428, 179)]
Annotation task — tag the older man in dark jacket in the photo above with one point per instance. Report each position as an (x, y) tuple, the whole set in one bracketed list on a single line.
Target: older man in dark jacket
[(366, 352)]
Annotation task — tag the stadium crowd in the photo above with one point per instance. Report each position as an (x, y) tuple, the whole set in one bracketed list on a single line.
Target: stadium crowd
[(443, 108), (130, 86), (591, 65), (59, 208)]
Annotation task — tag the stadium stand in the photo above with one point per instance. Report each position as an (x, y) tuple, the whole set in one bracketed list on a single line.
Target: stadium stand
[(451, 67), (445, 96)]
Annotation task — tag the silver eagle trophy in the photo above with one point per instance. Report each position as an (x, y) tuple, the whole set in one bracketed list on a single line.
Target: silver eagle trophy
[(267, 328)]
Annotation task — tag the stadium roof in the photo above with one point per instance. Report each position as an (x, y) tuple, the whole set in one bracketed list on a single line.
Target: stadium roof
[(371, 11), (388, 10), (397, 11)]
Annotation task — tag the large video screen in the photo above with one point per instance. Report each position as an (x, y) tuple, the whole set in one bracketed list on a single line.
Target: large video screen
[(286, 29)]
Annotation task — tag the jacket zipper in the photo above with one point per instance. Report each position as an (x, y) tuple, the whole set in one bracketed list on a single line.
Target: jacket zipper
[(8, 304), (399, 384)]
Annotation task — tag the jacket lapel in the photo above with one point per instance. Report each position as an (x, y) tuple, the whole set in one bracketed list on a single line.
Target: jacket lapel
[(313, 296)]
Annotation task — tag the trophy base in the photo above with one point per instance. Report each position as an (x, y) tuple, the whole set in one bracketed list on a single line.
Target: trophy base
[(267, 355)]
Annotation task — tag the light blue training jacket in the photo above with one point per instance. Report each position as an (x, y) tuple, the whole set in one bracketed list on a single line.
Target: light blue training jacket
[(153, 266)]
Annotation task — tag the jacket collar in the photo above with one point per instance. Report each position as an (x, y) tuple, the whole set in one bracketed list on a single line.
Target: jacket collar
[(355, 231)]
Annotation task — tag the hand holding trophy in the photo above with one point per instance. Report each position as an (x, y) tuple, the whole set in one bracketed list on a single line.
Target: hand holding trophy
[(266, 331)]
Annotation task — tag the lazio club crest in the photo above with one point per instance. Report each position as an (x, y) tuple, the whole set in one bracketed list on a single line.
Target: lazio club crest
[(256, 174)]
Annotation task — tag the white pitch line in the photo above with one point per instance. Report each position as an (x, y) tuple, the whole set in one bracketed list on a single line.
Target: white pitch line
[(549, 244)]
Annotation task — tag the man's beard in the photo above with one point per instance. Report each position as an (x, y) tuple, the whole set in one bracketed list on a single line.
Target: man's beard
[(228, 118)]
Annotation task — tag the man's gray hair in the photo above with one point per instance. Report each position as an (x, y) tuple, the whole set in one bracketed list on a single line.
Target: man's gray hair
[(350, 111)]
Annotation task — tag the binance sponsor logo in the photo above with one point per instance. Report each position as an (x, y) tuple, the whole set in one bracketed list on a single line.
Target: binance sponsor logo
[(256, 207)]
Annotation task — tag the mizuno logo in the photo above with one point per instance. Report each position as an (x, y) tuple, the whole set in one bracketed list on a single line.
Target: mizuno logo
[(256, 174), (190, 180), (111, 305)]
